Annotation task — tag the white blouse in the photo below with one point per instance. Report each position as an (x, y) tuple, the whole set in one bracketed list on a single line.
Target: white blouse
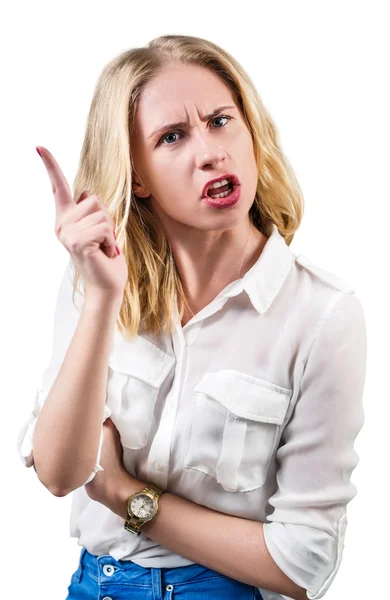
[(250, 409)]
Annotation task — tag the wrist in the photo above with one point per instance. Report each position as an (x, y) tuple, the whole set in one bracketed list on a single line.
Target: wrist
[(120, 490), (97, 302)]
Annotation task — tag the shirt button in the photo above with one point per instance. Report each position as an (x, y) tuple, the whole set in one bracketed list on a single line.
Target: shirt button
[(158, 466), (124, 546)]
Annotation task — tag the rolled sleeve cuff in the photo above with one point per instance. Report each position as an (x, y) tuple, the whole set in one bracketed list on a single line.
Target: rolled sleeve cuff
[(26, 435), (309, 556), (97, 467)]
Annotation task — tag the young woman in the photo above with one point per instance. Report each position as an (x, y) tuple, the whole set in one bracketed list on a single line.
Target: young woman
[(203, 400)]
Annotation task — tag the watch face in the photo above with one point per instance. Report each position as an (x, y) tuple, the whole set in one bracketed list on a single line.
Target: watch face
[(142, 506)]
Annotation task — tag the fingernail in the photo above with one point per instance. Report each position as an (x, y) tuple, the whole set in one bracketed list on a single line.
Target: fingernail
[(117, 249), (38, 151)]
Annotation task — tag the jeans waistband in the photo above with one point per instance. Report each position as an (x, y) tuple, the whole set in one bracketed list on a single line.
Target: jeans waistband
[(106, 569)]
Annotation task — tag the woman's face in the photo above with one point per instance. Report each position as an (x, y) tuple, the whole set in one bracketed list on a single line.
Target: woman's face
[(175, 164)]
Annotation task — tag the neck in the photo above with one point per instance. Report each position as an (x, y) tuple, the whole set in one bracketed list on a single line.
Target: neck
[(208, 264)]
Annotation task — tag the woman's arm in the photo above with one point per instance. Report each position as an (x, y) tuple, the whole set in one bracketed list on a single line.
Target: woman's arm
[(227, 544), (68, 429)]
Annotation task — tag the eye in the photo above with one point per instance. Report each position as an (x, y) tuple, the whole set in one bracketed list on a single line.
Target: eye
[(160, 142)]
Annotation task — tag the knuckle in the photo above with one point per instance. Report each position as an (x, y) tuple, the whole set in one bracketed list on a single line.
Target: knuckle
[(74, 244), (58, 228), (96, 202), (109, 218)]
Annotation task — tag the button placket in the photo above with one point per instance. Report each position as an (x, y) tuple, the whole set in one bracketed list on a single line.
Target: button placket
[(158, 458), (191, 335)]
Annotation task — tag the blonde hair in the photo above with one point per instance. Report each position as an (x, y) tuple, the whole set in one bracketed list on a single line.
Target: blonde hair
[(106, 168)]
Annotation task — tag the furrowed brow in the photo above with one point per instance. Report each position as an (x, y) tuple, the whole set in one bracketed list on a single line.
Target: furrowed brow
[(181, 124)]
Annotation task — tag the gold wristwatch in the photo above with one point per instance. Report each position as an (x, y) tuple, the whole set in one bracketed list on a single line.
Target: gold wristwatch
[(142, 507)]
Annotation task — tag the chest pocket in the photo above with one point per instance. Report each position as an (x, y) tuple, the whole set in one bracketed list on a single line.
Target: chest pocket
[(235, 427), (136, 372)]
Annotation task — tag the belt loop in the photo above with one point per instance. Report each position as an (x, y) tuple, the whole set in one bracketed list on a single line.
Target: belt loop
[(156, 581)]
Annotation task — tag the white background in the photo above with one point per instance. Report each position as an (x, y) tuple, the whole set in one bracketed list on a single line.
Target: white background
[(321, 70)]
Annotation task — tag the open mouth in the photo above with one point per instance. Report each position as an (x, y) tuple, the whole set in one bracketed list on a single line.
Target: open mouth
[(216, 198), (220, 192), (222, 188)]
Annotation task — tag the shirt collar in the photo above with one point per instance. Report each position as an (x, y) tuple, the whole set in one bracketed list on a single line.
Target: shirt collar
[(263, 281)]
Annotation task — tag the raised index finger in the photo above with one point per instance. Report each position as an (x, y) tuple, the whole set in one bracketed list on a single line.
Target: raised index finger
[(60, 187)]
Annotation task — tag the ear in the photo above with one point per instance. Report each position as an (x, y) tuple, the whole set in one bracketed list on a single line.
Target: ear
[(140, 190), (138, 187)]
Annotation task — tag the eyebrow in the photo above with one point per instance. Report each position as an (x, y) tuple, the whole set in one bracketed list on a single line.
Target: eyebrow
[(184, 123)]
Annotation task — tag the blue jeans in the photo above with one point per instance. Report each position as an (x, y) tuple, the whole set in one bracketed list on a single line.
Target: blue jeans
[(104, 578)]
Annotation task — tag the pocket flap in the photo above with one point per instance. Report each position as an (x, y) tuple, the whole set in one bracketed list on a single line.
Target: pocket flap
[(140, 358), (247, 396)]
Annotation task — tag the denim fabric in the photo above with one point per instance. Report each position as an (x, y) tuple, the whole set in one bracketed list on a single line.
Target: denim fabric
[(104, 578)]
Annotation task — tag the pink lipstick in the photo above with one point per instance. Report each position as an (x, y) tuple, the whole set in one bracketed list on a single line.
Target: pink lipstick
[(226, 201)]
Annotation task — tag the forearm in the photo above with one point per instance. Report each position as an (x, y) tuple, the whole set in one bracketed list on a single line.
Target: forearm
[(227, 544), (67, 432)]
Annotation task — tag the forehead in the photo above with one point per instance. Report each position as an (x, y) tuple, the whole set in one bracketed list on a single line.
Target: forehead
[(176, 91)]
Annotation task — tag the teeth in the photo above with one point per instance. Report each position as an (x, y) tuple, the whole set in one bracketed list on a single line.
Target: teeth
[(217, 184), (223, 195)]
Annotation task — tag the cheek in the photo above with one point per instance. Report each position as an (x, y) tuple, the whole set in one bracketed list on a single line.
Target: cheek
[(242, 146), (246, 142), (168, 188), (172, 197), (249, 169), (171, 179)]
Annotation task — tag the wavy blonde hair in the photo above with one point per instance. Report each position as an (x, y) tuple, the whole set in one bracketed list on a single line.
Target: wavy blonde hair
[(106, 168)]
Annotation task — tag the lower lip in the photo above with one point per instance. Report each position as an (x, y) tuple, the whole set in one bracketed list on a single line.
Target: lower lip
[(230, 200)]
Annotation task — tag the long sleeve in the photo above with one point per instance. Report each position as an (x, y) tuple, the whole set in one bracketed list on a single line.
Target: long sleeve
[(306, 534), (65, 322)]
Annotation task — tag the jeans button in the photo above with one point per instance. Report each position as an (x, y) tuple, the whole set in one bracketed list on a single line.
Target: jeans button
[(107, 598), (169, 588), (108, 570)]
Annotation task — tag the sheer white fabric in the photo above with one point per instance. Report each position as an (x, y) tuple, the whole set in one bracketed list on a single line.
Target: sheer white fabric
[(252, 408)]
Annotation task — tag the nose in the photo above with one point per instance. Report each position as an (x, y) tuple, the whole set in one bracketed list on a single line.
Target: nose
[(208, 152)]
